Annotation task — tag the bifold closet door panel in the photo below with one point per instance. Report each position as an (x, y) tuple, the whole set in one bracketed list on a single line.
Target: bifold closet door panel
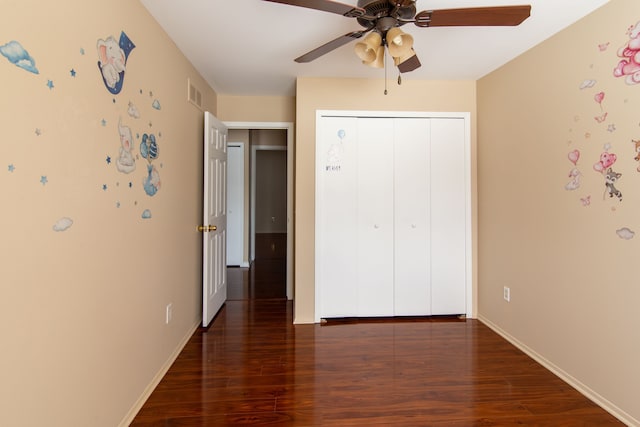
[(336, 234), (375, 249), (448, 225), (390, 216), (412, 186)]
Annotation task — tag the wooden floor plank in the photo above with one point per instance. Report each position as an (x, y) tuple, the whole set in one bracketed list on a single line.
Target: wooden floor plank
[(254, 367)]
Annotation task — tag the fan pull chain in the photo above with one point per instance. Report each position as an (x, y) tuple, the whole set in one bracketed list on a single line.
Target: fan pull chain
[(385, 73)]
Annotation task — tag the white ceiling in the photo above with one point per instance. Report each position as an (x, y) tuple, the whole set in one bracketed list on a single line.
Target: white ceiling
[(247, 47)]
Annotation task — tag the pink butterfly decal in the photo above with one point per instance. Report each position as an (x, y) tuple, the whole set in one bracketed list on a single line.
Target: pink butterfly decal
[(586, 201)]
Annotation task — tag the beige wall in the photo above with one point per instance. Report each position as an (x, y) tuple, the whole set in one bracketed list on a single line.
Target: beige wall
[(83, 310), (574, 282), (347, 94), (271, 137), (256, 108)]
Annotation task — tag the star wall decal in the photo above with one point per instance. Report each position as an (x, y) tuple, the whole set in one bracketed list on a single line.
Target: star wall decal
[(44, 180), (72, 72), (108, 159), (11, 168), (50, 84)]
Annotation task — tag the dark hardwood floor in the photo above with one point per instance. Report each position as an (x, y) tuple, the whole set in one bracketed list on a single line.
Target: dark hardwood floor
[(254, 367), (266, 279)]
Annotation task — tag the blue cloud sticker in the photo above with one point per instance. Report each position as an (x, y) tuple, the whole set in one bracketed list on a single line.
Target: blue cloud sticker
[(625, 233), (18, 56), (146, 214), (63, 224)]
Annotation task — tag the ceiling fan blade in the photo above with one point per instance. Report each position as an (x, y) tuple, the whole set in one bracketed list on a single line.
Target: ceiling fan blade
[(327, 6), (328, 47), (409, 64), (474, 16)]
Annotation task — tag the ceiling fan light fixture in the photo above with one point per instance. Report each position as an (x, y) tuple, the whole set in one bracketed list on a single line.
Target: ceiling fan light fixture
[(400, 43), (378, 62), (367, 49)]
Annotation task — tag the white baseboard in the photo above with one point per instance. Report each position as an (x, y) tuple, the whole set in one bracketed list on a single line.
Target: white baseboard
[(569, 379), (128, 419)]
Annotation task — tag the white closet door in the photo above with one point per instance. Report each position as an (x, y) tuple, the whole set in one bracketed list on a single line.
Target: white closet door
[(448, 210), (391, 216), (336, 231), (375, 216), (412, 223)]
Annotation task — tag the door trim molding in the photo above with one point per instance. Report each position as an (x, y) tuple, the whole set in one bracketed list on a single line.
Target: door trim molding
[(289, 127)]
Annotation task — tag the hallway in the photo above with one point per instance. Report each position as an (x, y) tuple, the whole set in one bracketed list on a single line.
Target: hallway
[(266, 278)]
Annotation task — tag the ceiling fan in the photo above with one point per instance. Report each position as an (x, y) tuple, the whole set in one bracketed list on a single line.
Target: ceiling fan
[(382, 20)]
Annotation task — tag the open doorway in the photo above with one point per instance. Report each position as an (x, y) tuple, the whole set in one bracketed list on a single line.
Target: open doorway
[(269, 197), (271, 216)]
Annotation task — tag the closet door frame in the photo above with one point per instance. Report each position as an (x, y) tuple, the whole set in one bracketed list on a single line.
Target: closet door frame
[(320, 114)]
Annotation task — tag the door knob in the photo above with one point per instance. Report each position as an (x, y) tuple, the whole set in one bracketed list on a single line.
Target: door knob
[(206, 228)]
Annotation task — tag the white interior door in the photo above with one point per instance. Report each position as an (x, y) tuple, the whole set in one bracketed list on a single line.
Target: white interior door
[(214, 245), (235, 204)]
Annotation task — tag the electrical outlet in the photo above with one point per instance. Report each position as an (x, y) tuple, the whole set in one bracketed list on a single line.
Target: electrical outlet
[(507, 294), (169, 313)]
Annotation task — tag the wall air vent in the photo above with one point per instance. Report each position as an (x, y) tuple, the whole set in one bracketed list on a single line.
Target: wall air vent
[(194, 95)]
